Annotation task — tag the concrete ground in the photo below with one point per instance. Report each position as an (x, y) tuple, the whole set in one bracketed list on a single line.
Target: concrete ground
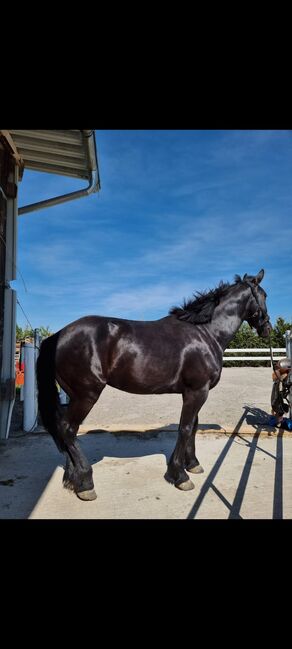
[(128, 439)]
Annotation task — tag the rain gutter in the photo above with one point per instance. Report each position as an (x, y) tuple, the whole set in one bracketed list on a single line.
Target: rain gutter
[(93, 186)]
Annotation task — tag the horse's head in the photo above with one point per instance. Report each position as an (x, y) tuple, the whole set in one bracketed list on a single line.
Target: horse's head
[(257, 314)]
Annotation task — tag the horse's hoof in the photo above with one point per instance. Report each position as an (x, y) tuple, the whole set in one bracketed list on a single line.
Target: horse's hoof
[(185, 486), (87, 495), (196, 469)]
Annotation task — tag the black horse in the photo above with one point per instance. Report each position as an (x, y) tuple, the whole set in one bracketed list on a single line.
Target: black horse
[(181, 353)]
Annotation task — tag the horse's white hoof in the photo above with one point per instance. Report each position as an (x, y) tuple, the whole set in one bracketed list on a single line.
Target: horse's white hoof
[(196, 469), (87, 495), (185, 486)]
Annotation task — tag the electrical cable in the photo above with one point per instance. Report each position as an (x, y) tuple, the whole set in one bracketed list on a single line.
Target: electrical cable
[(24, 314)]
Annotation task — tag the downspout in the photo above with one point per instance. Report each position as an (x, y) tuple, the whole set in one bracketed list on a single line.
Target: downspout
[(94, 182)]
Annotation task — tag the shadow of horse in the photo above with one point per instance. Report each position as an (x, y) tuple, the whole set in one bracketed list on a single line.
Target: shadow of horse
[(100, 443)]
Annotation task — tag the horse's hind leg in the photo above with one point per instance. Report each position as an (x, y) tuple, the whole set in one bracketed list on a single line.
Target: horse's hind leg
[(192, 463), (78, 472)]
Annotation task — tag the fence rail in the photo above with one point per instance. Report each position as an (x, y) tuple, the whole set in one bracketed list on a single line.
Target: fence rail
[(280, 351)]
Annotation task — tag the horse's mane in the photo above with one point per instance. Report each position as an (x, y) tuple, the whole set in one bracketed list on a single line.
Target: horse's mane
[(200, 309)]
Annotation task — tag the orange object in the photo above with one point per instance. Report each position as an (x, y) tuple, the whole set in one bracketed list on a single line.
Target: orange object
[(19, 378), (19, 373)]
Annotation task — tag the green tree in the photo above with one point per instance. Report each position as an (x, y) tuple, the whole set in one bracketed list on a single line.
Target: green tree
[(19, 333), (278, 334), (27, 332), (22, 333), (45, 331), (247, 337)]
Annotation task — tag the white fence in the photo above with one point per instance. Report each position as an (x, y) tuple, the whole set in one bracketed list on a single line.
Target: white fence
[(278, 352)]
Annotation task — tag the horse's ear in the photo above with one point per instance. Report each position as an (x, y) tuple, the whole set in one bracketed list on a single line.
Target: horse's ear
[(258, 278)]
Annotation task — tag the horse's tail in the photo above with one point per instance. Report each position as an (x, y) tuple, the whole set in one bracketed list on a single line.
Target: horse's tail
[(48, 397)]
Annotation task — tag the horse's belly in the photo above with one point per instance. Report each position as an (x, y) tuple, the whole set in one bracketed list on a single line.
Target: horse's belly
[(144, 377), (144, 388)]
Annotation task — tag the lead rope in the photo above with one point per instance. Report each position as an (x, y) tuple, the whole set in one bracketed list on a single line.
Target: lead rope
[(275, 372), (271, 353)]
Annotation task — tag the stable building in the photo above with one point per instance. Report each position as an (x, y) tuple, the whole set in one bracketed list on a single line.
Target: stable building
[(66, 153)]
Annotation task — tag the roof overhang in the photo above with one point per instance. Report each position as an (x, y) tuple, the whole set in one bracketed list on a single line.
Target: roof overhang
[(66, 153)]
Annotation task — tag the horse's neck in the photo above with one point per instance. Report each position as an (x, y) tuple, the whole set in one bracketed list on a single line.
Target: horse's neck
[(229, 315)]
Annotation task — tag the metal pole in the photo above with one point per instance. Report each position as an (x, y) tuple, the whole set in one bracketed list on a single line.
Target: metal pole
[(37, 344), (21, 364), (288, 337), (29, 389), (8, 227)]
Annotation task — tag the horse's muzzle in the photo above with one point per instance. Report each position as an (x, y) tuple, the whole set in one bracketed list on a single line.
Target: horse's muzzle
[(265, 330)]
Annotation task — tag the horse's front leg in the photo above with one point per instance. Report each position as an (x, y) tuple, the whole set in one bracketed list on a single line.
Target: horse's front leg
[(192, 402)]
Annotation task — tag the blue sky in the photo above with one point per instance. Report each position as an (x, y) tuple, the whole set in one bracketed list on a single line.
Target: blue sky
[(178, 211)]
